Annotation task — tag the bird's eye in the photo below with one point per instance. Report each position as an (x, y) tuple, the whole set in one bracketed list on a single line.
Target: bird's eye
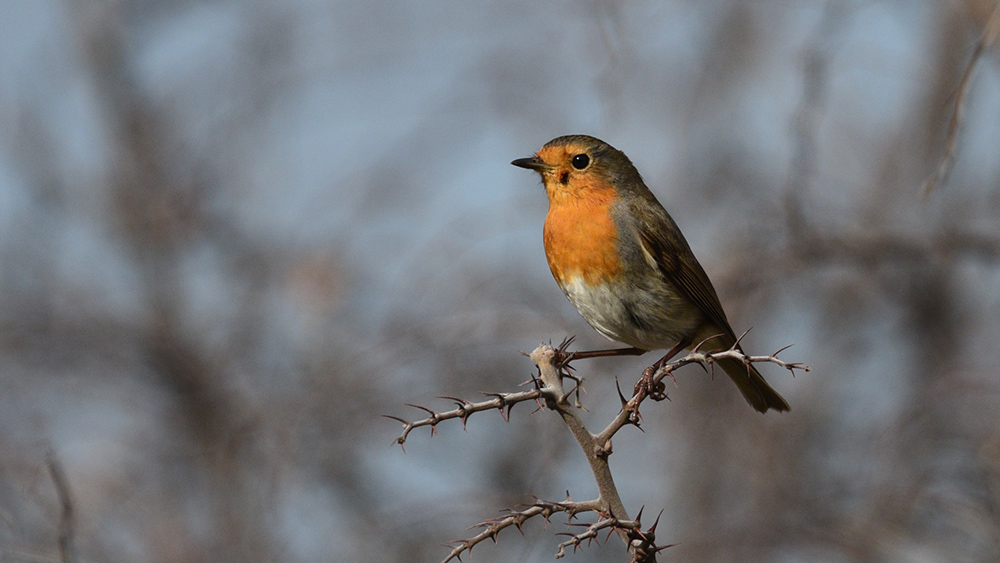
[(580, 161)]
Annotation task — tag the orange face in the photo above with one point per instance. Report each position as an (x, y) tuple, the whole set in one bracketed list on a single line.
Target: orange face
[(580, 235), (568, 171)]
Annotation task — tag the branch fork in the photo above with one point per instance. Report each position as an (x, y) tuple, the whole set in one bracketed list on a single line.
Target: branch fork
[(552, 368)]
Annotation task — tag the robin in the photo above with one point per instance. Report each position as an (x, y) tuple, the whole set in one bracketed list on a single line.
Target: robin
[(623, 263)]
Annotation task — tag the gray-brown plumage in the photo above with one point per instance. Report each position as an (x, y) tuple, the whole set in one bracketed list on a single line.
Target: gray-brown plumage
[(621, 260)]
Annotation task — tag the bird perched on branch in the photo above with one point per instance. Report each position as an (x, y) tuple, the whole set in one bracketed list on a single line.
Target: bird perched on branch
[(623, 263)]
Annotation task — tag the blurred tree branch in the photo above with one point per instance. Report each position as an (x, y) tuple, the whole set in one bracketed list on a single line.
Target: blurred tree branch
[(947, 159), (159, 320), (67, 518)]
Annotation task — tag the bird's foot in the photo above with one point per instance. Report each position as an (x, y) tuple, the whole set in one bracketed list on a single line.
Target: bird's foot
[(647, 386)]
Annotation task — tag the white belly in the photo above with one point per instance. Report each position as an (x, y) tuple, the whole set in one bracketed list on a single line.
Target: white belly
[(639, 318)]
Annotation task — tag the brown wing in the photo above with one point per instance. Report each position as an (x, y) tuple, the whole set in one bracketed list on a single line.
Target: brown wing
[(664, 244), (663, 241)]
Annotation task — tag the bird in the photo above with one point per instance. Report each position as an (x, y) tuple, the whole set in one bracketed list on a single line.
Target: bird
[(624, 264)]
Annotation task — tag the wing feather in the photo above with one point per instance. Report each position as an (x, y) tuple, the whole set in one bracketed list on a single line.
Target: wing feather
[(663, 242)]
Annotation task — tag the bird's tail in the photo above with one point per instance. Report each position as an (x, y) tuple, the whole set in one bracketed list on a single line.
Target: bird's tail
[(755, 390)]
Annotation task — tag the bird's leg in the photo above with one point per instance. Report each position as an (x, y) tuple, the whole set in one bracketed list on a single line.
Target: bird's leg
[(646, 385), (586, 354), (671, 353), (563, 358)]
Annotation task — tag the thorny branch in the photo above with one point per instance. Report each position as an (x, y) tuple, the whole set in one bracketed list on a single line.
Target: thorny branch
[(708, 359), (552, 364), (630, 407), (503, 402), (636, 538), (639, 541), (543, 508)]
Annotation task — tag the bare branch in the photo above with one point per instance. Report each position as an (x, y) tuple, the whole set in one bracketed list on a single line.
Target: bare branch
[(590, 533), (503, 402), (66, 517), (552, 367), (878, 248), (706, 359), (493, 526), (548, 384), (629, 415), (597, 449), (641, 541), (947, 160), (805, 120)]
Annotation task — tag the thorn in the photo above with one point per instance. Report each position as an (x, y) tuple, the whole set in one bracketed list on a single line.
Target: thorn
[(670, 374), (780, 350), (459, 402), (396, 418), (653, 527), (425, 409), (740, 339), (620, 395), (659, 548), (566, 342), (638, 420), (702, 343)]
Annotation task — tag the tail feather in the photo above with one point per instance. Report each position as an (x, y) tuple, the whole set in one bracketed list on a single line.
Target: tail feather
[(751, 383)]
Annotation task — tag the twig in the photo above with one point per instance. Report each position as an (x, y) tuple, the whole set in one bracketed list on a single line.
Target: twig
[(493, 526), (947, 160), (708, 358), (500, 401), (630, 407), (590, 533), (878, 248), (805, 119), (550, 362), (66, 517)]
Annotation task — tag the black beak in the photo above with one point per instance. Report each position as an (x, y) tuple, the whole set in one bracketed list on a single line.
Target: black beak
[(532, 163)]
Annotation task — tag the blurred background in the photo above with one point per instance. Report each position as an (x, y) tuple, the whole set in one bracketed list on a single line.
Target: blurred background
[(235, 234)]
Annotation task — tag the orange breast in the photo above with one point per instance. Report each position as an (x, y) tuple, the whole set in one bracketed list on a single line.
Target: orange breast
[(581, 238)]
